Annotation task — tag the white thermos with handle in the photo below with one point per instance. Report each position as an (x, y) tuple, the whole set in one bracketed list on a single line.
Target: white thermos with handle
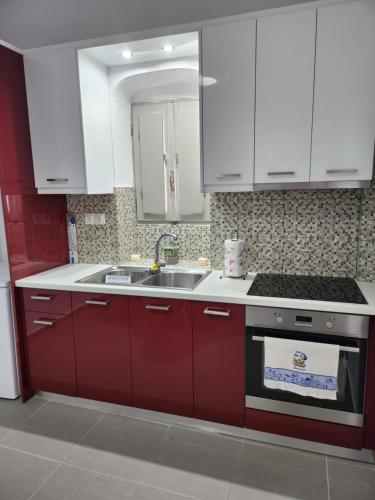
[(234, 256)]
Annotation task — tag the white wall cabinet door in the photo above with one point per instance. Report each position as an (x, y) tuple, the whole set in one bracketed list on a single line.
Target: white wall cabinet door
[(344, 102), (284, 97), (62, 164), (151, 134), (191, 201), (55, 120), (228, 98)]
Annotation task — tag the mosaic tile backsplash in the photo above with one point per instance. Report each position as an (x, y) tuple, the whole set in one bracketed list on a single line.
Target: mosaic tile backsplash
[(325, 232)]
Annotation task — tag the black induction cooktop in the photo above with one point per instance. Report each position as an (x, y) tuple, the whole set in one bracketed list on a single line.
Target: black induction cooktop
[(291, 286)]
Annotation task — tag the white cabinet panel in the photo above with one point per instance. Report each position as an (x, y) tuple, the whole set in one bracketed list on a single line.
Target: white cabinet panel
[(150, 150), (228, 94), (96, 123), (187, 144), (284, 97), (55, 119), (344, 103)]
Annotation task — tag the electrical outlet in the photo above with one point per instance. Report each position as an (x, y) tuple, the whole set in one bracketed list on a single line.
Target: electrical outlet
[(99, 218)]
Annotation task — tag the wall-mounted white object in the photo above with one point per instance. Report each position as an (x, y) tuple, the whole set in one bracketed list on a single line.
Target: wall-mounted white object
[(72, 240), (228, 99), (8, 365), (284, 97), (344, 100), (70, 127)]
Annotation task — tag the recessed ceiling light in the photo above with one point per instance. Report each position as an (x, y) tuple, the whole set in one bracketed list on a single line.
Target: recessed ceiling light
[(168, 48), (127, 54)]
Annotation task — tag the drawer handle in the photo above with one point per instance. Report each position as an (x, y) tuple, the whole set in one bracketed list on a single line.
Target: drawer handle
[(45, 298), (97, 302), (43, 322), (285, 172), (150, 307), (227, 176), (215, 312), (342, 171), (57, 179)]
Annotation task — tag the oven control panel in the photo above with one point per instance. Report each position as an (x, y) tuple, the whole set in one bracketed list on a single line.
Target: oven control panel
[(349, 325)]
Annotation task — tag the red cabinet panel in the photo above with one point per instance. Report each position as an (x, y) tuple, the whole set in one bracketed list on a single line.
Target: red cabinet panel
[(304, 428), (218, 340), (161, 346), (102, 346), (369, 424), (50, 352), (49, 301)]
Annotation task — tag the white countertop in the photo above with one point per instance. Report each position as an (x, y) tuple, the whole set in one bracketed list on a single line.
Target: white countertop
[(212, 289)]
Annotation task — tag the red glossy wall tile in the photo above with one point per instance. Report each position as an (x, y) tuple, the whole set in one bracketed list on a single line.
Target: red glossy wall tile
[(35, 224)]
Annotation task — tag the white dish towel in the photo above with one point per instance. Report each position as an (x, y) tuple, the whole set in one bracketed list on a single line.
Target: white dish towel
[(305, 368)]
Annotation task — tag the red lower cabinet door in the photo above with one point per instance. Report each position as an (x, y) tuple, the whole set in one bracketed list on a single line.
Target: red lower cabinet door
[(219, 359), (161, 342), (101, 334), (50, 352)]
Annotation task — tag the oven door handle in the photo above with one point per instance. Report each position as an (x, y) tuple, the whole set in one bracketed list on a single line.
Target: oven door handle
[(343, 348)]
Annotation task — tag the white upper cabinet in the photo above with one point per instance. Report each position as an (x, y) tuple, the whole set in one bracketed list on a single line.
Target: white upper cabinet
[(68, 158), (228, 98), (284, 97), (344, 102)]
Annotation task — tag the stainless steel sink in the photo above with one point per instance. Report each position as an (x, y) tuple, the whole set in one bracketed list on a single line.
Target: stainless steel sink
[(183, 279), (135, 274), (171, 278)]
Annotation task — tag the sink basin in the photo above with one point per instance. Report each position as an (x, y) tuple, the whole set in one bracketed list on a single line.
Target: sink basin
[(135, 274), (182, 279), (185, 280)]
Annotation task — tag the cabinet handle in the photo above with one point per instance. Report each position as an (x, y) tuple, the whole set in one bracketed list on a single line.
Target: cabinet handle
[(43, 322), (57, 179), (342, 171), (216, 312), (285, 172), (226, 176), (97, 302), (45, 298), (150, 307)]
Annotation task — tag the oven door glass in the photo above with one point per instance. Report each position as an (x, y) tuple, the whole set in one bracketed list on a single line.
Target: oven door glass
[(351, 374)]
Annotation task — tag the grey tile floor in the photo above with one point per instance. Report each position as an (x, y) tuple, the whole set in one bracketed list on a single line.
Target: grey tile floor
[(55, 451)]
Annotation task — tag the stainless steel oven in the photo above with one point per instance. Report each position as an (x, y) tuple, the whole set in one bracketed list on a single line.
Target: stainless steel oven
[(350, 332)]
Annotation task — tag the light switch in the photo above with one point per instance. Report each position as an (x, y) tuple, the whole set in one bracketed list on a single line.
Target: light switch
[(89, 218)]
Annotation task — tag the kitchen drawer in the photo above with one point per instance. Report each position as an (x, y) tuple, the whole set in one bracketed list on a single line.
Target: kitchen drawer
[(50, 352), (49, 301)]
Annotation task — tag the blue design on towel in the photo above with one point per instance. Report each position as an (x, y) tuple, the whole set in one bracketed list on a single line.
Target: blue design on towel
[(325, 382)]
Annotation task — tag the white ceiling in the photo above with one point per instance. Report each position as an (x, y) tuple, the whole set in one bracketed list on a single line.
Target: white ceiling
[(33, 23), (185, 45)]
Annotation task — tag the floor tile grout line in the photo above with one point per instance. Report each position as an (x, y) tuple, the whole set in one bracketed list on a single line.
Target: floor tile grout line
[(24, 452), (10, 431), (45, 481), (327, 472), (237, 466), (63, 461)]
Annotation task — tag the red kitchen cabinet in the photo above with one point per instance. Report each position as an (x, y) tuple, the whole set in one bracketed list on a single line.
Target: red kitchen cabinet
[(50, 301), (218, 342), (161, 347), (102, 347), (50, 352)]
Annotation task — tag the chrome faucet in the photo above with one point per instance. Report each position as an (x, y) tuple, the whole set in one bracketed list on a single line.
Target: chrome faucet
[(174, 239)]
